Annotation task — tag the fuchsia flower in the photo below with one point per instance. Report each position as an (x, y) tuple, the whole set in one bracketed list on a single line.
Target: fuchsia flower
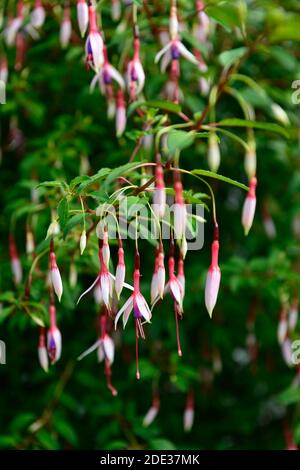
[(293, 314), (104, 281), (82, 16), (106, 75), (120, 271), (120, 113), (135, 72), (82, 241), (94, 43), (15, 262), (189, 412), (65, 29), (212, 279), (159, 195), (174, 49), (179, 211), (159, 275), (138, 305), (42, 350), (115, 10), (55, 274), (14, 25), (3, 69), (214, 156), (38, 14), (249, 206), (203, 22), (105, 351), (152, 412), (282, 329), (54, 342)]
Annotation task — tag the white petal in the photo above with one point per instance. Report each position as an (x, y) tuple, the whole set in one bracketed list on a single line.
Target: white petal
[(150, 416), (165, 61), (117, 76), (57, 282), (38, 17), (140, 76), (82, 17), (96, 43), (120, 276), (105, 288), (143, 307), (161, 277), (43, 358), (109, 348), (129, 302), (248, 213), (89, 288), (17, 270), (186, 53), (162, 52), (100, 353), (65, 33), (175, 290), (212, 288), (89, 350), (94, 81), (188, 419), (154, 287)]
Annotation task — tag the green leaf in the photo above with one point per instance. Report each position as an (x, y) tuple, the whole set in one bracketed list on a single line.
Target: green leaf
[(267, 126), (119, 171), (63, 212), (233, 136), (78, 180), (156, 104), (36, 319), (52, 184), (228, 58), (93, 179), (5, 312), (290, 395), (178, 140), (66, 431), (216, 176), (287, 30), (47, 440), (225, 14)]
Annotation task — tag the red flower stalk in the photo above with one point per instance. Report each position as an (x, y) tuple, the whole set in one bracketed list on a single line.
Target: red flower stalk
[(15, 262)]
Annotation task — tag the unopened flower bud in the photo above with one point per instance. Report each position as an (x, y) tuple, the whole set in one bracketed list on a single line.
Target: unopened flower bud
[(214, 156), (82, 242), (249, 206), (212, 279)]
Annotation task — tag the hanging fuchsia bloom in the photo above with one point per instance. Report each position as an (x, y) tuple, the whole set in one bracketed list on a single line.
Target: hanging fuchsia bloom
[(189, 412), (115, 10), (159, 195), (203, 22), (82, 16), (29, 242), (94, 43), (55, 274), (214, 157), (15, 262), (105, 247), (180, 275), (38, 14), (3, 69), (159, 276), (138, 305), (98, 294), (212, 279), (152, 412), (54, 342), (179, 210), (120, 272), (135, 72), (106, 75), (102, 281), (282, 329), (249, 206), (14, 25), (42, 350), (293, 314), (65, 29), (120, 114), (174, 49)]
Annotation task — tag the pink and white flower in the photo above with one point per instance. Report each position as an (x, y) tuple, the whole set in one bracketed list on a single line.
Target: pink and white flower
[(214, 157), (54, 342), (82, 16), (179, 211), (120, 113), (15, 262), (55, 273), (38, 14), (213, 279), (189, 413), (159, 195), (249, 206), (180, 275), (42, 350), (135, 72), (120, 271), (152, 412), (159, 276), (106, 75), (65, 29), (94, 43)]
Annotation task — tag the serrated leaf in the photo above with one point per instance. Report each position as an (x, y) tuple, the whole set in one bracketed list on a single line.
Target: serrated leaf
[(216, 176)]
